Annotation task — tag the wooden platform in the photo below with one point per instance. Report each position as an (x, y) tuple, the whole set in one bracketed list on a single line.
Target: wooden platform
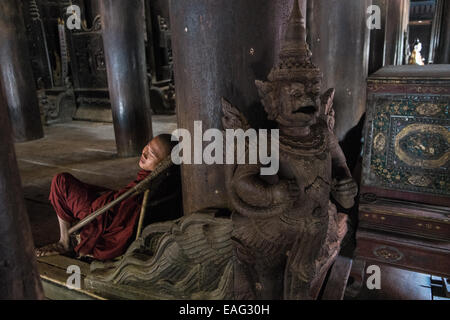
[(53, 271)]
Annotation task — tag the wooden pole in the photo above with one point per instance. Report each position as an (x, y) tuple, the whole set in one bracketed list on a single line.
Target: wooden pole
[(123, 28), (142, 214), (339, 41), (443, 50), (19, 278), (220, 48), (16, 75)]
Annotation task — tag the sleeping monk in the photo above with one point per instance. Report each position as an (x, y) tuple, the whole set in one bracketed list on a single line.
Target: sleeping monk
[(109, 235)]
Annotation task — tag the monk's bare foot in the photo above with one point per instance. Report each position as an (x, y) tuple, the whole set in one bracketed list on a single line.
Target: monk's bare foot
[(65, 245), (54, 249)]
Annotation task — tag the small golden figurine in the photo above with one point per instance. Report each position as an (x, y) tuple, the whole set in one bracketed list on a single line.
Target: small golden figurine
[(416, 56)]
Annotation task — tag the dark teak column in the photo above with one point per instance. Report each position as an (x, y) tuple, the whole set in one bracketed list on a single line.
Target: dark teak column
[(16, 75), (19, 278), (377, 40), (443, 51), (123, 38), (397, 17), (339, 41), (387, 43), (220, 48)]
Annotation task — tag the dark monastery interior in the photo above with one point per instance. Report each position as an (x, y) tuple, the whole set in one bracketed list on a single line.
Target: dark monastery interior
[(225, 149)]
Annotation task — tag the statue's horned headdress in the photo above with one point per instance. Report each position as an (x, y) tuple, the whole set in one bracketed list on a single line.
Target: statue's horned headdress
[(295, 57)]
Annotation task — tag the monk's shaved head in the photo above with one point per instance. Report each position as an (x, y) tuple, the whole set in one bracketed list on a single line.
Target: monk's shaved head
[(155, 151), (166, 143)]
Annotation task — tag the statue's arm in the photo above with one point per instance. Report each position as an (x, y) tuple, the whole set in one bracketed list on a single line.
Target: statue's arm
[(344, 188), (340, 168), (255, 191), (250, 188)]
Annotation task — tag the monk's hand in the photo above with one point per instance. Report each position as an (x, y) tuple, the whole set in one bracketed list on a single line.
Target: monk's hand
[(285, 191), (344, 192)]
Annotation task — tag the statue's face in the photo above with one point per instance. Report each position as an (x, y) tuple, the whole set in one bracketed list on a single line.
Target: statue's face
[(418, 47), (300, 104)]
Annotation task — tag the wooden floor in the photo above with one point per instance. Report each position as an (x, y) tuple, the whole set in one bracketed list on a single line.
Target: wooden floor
[(54, 274), (398, 284)]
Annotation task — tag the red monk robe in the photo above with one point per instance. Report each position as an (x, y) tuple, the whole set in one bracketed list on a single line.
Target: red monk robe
[(109, 235)]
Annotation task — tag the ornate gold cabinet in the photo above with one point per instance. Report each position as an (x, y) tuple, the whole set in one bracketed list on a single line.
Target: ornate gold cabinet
[(404, 214), (407, 138)]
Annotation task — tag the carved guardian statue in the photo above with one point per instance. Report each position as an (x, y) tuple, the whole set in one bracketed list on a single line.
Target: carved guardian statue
[(286, 230)]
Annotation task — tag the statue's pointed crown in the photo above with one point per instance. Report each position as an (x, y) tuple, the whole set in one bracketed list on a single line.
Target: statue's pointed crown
[(295, 57)]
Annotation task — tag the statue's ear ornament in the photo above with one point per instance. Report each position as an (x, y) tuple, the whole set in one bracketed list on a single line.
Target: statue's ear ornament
[(327, 100), (232, 117), (327, 110)]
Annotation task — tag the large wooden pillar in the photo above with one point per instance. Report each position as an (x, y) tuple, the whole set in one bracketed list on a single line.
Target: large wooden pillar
[(339, 40), (387, 45), (220, 48), (16, 75), (123, 38), (397, 19), (19, 278), (377, 39), (443, 51)]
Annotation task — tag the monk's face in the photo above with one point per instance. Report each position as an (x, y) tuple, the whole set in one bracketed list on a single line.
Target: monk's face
[(154, 152)]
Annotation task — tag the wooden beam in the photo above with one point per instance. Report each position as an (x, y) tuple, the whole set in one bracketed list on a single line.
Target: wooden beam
[(337, 281), (123, 28), (19, 278), (16, 75), (53, 273), (339, 41), (220, 48)]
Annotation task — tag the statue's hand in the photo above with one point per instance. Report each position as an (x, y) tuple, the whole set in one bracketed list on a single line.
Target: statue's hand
[(344, 192), (285, 191)]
